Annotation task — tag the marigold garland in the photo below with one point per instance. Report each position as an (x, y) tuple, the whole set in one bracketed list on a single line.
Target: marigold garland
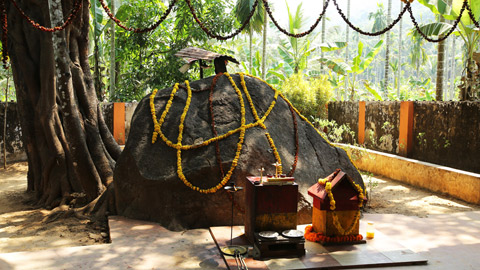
[(339, 226), (237, 154), (211, 140), (261, 121), (243, 127), (295, 128), (328, 188), (304, 118), (312, 236), (214, 129)]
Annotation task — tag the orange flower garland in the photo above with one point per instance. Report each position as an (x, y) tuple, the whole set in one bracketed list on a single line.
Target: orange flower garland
[(312, 236), (328, 188), (304, 118)]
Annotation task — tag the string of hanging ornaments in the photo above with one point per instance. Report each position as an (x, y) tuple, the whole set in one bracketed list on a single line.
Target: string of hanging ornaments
[(72, 14), (78, 4), (138, 30), (443, 37)]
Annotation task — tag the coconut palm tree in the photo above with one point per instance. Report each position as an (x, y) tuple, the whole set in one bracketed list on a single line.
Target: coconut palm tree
[(322, 55), (471, 38), (242, 11), (264, 43), (347, 37), (380, 21), (387, 47), (418, 55), (399, 70)]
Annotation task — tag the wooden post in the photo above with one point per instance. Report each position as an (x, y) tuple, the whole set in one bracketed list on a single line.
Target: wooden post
[(119, 122), (405, 139), (361, 122)]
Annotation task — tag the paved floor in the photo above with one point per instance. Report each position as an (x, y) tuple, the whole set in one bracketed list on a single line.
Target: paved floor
[(447, 241)]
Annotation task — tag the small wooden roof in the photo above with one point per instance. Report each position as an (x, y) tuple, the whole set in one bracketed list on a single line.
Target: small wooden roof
[(192, 54), (345, 194)]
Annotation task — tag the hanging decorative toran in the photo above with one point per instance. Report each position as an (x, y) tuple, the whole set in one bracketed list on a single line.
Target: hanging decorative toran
[(78, 4)]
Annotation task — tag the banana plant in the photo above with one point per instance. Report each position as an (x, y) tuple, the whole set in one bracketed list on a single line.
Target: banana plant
[(295, 51), (356, 67)]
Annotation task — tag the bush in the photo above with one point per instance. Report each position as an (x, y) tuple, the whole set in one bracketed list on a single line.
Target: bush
[(310, 97)]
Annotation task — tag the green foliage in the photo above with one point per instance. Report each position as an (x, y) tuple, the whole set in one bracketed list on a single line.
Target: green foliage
[(358, 65), (379, 18), (3, 85), (310, 97), (147, 61), (333, 131), (468, 32), (371, 183), (242, 11), (295, 51)]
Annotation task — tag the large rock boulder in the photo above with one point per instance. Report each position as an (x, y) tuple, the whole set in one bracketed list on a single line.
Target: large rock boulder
[(148, 187)]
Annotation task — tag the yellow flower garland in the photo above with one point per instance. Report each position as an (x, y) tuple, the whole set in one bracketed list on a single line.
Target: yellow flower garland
[(158, 125), (179, 147), (275, 152), (243, 127), (304, 118), (325, 181), (328, 188), (339, 226), (237, 154)]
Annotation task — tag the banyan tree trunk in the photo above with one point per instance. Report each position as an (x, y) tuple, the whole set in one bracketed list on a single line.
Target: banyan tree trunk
[(70, 150)]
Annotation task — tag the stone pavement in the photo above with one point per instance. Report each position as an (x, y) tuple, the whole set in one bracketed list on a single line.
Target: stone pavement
[(448, 242)]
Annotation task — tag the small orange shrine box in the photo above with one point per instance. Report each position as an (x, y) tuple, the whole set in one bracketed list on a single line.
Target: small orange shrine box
[(346, 206)]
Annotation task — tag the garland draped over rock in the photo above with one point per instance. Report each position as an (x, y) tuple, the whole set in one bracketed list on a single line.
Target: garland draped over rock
[(259, 121), (179, 146)]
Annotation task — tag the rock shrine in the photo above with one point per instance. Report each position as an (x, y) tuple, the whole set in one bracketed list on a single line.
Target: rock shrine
[(147, 182)]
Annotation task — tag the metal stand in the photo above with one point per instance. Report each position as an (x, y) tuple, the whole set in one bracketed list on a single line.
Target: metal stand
[(231, 250)]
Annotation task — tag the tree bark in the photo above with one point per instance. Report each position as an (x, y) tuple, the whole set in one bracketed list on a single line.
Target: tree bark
[(440, 67), (264, 50), (452, 69), (399, 69), (5, 126), (112, 57), (387, 50), (322, 54), (68, 145), (96, 54), (347, 38)]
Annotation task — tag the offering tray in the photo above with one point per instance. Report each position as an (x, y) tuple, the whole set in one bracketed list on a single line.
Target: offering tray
[(279, 181)]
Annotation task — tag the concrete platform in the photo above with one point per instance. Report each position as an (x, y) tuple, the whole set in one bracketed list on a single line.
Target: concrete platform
[(447, 241), (380, 251), (135, 245)]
